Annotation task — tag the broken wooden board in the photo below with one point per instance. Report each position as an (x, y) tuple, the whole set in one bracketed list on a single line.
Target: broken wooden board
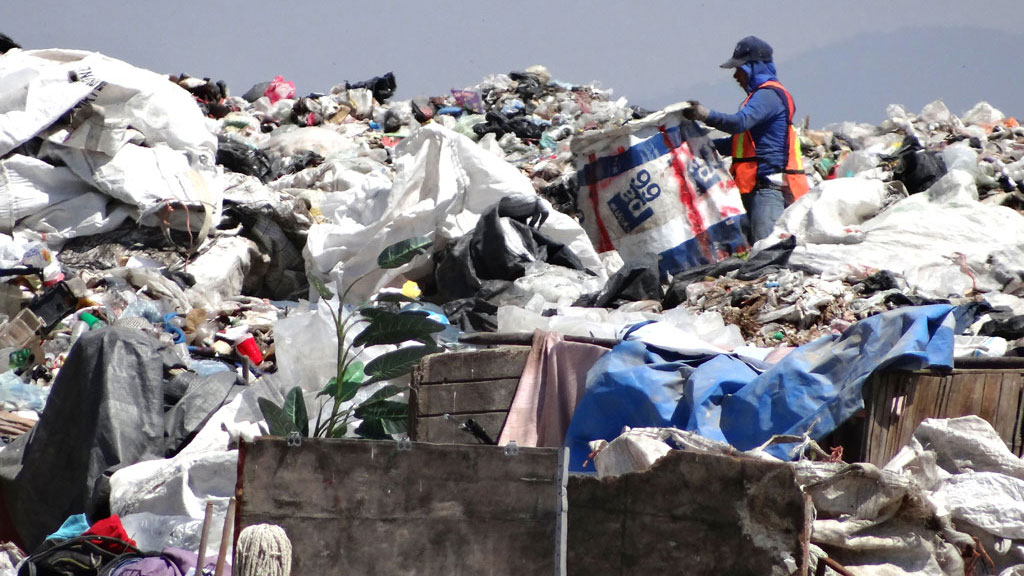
[(380, 507), (689, 514)]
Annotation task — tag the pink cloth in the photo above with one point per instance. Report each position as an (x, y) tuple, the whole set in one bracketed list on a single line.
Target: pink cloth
[(553, 380)]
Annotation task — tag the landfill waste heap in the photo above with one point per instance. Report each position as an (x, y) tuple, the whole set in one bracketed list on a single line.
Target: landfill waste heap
[(162, 241)]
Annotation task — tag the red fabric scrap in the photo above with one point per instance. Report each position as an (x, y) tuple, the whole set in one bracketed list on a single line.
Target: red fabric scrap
[(112, 528)]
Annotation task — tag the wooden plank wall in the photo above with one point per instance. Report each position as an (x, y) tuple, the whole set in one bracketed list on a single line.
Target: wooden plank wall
[(897, 402), (448, 389), (371, 507)]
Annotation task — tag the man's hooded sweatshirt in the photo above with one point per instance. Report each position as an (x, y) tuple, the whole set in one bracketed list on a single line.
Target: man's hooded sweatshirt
[(764, 115)]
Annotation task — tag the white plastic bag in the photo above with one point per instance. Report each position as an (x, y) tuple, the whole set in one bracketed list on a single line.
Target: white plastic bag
[(443, 183)]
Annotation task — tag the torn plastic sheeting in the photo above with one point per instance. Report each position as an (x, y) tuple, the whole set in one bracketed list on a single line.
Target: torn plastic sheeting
[(443, 183), (282, 269), (354, 175), (567, 320), (902, 238), (666, 336), (156, 109), (29, 185), (143, 177), (52, 89), (306, 343), (221, 270), (656, 185), (325, 141), (923, 511), (175, 490), (202, 396), (812, 390), (42, 199), (137, 137), (83, 215)]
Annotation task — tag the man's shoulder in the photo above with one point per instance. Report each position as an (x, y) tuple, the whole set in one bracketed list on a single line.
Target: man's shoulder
[(768, 97)]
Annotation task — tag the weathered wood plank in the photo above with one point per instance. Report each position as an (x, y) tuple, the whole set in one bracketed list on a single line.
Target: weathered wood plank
[(368, 507), (690, 514), (466, 397), (993, 383), (476, 365), (874, 428), (1010, 411), (994, 395), (441, 430)]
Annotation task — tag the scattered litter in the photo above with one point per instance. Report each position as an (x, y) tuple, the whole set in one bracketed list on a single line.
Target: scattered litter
[(199, 242)]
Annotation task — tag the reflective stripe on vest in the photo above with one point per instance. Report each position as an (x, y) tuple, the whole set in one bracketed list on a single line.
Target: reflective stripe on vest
[(744, 153)]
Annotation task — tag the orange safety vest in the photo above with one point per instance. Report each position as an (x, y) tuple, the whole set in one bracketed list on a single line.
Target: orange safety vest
[(744, 156)]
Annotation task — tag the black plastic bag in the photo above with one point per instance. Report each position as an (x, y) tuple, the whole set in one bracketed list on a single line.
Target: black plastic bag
[(245, 159), (917, 168), (488, 255), (383, 87), (629, 284), (7, 44)]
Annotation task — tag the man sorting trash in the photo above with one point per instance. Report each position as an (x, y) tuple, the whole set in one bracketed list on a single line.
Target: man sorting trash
[(765, 149)]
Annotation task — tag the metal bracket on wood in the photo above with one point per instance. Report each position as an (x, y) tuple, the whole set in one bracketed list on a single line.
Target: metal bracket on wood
[(294, 439), (405, 445), (511, 449)]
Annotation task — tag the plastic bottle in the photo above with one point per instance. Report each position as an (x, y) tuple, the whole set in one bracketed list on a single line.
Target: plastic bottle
[(19, 358), (204, 333), (93, 322), (143, 308), (77, 329), (17, 395)]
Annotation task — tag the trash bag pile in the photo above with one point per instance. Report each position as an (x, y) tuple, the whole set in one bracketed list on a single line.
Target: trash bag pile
[(162, 240)]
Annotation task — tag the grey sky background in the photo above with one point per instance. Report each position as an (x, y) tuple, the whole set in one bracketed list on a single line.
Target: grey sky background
[(841, 60)]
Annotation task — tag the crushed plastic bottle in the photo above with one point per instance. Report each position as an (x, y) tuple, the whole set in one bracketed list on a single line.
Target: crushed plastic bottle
[(15, 394)]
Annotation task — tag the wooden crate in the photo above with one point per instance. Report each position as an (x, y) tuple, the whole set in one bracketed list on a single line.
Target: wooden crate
[(448, 389), (381, 507), (897, 402)]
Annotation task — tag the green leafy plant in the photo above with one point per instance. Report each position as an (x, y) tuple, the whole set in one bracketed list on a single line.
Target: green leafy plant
[(382, 324)]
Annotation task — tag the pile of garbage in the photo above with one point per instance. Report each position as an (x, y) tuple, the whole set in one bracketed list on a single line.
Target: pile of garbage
[(160, 234), (948, 503)]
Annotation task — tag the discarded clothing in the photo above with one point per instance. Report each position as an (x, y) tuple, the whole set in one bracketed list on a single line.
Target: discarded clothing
[(553, 379)]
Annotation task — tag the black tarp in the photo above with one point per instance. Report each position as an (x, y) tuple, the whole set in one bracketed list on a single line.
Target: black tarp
[(105, 410)]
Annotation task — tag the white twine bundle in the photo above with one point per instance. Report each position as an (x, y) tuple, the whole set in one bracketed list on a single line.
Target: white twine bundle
[(263, 550)]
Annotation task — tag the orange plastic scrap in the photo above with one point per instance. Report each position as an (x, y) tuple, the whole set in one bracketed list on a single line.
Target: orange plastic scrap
[(1010, 122)]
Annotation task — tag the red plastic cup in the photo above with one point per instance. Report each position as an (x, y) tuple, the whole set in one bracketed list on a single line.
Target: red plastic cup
[(247, 347)]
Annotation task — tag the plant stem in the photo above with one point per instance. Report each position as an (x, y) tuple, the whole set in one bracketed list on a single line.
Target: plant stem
[(340, 324)]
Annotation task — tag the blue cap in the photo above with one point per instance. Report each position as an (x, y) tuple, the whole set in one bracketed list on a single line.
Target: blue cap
[(750, 49)]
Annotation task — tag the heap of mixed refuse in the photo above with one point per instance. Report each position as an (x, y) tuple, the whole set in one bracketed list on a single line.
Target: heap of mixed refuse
[(167, 231)]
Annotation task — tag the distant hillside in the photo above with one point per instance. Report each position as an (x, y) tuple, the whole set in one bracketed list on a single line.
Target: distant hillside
[(856, 79)]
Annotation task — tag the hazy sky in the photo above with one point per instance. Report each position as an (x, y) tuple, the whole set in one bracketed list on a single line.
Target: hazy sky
[(842, 60)]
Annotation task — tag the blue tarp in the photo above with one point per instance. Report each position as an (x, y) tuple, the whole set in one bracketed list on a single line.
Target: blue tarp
[(813, 389)]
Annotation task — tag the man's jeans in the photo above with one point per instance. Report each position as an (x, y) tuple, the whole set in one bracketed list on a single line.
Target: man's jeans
[(763, 206)]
